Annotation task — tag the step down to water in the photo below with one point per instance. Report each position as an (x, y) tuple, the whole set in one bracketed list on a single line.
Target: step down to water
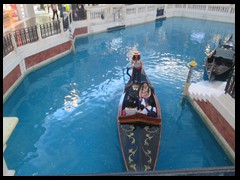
[(116, 28), (159, 18)]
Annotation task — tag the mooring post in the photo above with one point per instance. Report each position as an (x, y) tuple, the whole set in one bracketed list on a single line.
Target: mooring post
[(192, 65), (71, 38)]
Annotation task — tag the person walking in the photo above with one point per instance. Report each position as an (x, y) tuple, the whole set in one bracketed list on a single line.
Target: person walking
[(48, 6), (55, 11)]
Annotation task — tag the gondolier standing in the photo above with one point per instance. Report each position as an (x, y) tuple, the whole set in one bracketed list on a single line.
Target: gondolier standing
[(136, 64)]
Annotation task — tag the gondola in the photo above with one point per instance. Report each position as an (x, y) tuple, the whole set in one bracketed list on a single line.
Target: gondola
[(139, 134), (220, 62)]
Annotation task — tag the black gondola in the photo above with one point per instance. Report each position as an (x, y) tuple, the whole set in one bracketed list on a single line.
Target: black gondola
[(220, 62), (139, 134)]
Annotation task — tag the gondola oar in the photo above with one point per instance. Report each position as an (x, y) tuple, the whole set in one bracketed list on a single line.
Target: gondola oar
[(128, 68)]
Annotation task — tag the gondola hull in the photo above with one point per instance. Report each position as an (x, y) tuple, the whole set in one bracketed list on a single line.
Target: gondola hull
[(139, 134)]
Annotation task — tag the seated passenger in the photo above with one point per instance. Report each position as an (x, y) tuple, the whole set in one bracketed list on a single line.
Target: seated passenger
[(131, 107), (130, 111), (149, 108), (135, 87), (133, 92), (141, 108), (144, 93)]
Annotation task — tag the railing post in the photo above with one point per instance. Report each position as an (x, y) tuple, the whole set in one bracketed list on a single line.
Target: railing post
[(69, 14), (39, 33), (14, 43), (88, 9), (61, 24)]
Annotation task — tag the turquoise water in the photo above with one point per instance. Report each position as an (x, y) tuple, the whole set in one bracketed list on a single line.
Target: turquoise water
[(68, 110)]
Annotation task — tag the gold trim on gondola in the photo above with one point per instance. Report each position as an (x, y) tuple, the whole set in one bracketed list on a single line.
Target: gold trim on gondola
[(148, 138), (146, 128), (147, 168), (148, 154), (133, 166), (130, 160), (129, 133)]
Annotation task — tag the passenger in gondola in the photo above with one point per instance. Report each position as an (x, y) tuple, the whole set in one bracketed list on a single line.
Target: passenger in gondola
[(144, 94), (131, 107), (141, 108), (149, 107), (134, 92), (136, 64)]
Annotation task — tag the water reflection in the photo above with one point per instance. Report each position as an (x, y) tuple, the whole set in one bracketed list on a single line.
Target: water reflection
[(197, 36), (72, 100)]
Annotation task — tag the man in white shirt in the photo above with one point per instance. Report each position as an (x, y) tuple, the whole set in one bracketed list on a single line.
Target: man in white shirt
[(149, 107)]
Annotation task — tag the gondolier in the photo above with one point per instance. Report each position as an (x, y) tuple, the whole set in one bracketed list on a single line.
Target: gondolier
[(136, 64)]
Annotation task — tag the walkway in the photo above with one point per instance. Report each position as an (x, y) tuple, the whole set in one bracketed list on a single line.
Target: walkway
[(27, 22)]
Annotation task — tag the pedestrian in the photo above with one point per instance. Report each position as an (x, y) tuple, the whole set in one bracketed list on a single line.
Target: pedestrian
[(55, 11), (49, 6)]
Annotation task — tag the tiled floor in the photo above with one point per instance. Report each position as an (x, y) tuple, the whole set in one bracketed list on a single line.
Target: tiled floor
[(38, 19)]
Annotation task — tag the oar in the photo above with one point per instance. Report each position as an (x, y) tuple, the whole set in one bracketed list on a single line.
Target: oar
[(128, 72), (128, 68)]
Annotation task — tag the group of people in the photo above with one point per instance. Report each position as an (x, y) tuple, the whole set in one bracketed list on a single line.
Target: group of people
[(138, 100), (54, 8), (80, 11)]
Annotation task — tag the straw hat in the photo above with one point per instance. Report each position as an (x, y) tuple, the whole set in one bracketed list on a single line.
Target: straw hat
[(136, 53)]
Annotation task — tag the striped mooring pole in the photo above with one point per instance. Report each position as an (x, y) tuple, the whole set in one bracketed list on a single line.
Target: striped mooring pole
[(192, 65)]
